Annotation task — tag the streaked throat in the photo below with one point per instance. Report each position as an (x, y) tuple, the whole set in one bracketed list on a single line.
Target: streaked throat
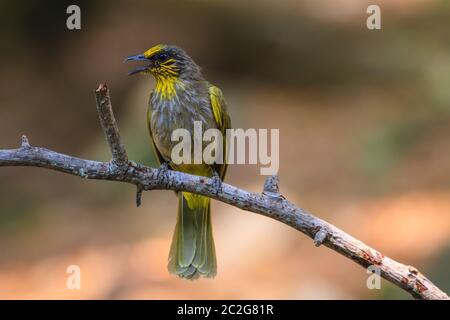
[(167, 79), (166, 86)]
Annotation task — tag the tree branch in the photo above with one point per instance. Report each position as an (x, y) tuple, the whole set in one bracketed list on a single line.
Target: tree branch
[(270, 203), (109, 126)]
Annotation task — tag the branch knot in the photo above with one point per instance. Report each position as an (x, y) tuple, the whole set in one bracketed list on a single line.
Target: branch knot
[(24, 143), (271, 188), (320, 237)]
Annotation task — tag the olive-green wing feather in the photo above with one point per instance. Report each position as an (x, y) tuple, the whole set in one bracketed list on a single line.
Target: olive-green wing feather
[(223, 121), (155, 149)]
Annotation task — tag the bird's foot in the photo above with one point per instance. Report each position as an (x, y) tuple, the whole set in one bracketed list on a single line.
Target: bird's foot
[(216, 183), (161, 173)]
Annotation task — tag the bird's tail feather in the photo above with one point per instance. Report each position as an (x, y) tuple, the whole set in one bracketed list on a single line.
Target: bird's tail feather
[(192, 253)]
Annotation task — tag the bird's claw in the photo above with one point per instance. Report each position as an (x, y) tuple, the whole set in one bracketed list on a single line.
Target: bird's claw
[(216, 183)]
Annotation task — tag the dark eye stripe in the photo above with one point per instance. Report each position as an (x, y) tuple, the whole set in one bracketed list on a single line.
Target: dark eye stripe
[(162, 57)]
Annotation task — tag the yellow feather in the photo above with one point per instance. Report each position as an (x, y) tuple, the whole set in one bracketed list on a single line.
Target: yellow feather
[(150, 52), (222, 119), (165, 85)]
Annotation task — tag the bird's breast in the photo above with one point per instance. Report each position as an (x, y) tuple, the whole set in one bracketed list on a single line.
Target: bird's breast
[(181, 112)]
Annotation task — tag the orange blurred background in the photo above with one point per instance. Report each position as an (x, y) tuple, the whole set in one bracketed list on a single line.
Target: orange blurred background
[(364, 144)]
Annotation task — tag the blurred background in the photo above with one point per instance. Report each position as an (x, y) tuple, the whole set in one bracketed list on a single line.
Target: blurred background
[(364, 119)]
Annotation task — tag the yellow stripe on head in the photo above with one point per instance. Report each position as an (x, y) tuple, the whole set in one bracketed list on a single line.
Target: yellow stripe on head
[(150, 52)]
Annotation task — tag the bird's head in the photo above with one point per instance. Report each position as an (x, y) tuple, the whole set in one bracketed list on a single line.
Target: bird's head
[(166, 61)]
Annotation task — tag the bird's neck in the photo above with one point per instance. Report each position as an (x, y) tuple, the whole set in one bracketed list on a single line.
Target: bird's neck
[(167, 86)]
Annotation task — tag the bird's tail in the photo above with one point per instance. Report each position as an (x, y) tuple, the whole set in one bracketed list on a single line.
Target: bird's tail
[(192, 253)]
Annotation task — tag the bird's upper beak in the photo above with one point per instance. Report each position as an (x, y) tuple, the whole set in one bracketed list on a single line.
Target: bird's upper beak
[(138, 57)]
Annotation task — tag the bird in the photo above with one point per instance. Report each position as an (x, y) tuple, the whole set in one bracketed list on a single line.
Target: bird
[(180, 97)]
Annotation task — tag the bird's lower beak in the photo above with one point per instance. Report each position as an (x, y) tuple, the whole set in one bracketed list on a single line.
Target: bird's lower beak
[(139, 57)]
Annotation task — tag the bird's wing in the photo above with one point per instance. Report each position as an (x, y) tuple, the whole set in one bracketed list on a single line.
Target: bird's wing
[(155, 149), (223, 121)]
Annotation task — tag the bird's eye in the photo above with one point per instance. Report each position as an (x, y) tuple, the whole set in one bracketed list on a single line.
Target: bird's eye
[(162, 57)]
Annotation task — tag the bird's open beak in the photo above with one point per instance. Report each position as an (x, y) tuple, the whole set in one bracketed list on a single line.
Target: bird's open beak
[(138, 57)]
